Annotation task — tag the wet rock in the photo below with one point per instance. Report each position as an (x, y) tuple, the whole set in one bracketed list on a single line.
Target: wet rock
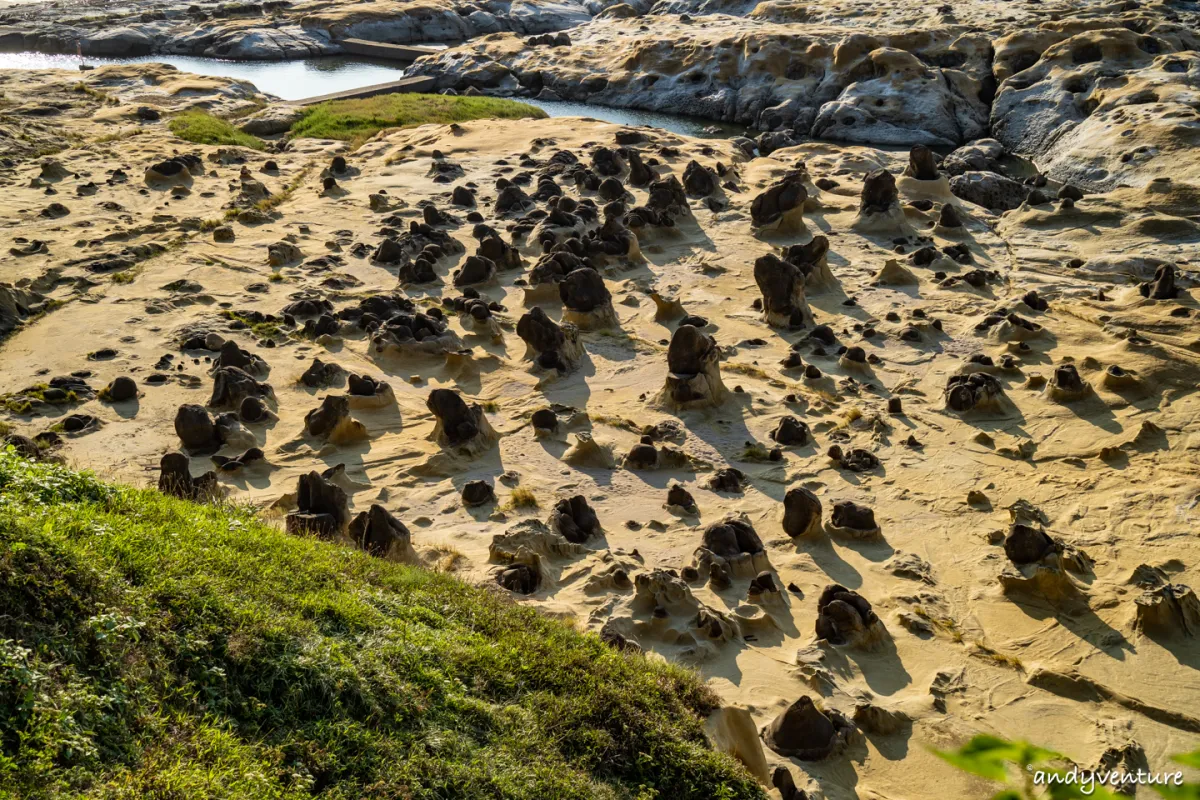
[(806, 733)]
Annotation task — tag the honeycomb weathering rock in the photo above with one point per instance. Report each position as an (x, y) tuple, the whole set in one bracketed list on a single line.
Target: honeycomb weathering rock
[(880, 88)]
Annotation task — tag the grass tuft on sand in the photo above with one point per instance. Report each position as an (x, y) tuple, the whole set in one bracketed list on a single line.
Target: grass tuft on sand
[(204, 128), (151, 647), (360, 119)]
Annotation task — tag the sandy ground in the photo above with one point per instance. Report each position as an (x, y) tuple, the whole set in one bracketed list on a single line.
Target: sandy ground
[(1114, 474)]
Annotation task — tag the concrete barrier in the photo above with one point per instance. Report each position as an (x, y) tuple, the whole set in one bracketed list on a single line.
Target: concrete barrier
[(422, 84), (405, 53)]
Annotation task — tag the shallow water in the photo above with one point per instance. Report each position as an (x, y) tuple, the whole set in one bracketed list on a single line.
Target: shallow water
[(296, 80)]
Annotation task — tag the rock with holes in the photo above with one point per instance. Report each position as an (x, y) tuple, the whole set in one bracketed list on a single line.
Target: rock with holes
[(730, 549), (551, 346), (574, 519)]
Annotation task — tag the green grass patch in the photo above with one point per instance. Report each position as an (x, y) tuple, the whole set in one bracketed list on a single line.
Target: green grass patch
[(358, 120), (155, 648), (204, 128)]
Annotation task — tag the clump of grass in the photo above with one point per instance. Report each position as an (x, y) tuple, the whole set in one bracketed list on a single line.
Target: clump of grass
[(755, 452), (357, 120), (125, 276), (151, 647), (96, 94), (275, 277), (263, 330), (615, 422), (211, 224), (523, 498), (5, 428), (490, 406), (203, 128), (269, 203)]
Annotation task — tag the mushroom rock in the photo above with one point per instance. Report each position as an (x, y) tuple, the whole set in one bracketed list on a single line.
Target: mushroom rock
[(1117, 378), (806, 733), (734, 548), (175, 478), (585, 451), (120, 390), (363, 391), (853, 521), (801, 512), (639, 173), (1164, 609), (235, 463), (845, 618), (232, 385), (332, 422), (475, 270), (1066, 385), (698, 180), (642, 456), (976, 391), (377, 532), (780, 208), (478, 493), (614, 238), (321, 374), (531, 540), (175, 171), (893, 273), (476, 316), (545, 422), (694, 376), (855, 358), (280, 254), (812, 260), (681, 498), (549, 271), (781, 283), (727, 479), (782, 780), (856, 459), (949, 218), (1014, 328), (574, 519), (587, 303), (667, 197), (459, 426), (550, 346), (414, 334), (607, 161), (922, 164), (1040, 563), (791, 431), (499, 252), (323, 509), (677, 618), (1163, 286), (195, 429), (512, 198), (879, 205), (252, 409)]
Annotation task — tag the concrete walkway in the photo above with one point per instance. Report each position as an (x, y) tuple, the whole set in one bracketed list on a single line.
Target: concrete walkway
[(393, 52), (422, 84)]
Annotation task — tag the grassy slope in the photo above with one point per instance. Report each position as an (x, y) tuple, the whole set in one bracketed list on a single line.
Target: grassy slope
[(204, 128), (358, 120), (152, 648)]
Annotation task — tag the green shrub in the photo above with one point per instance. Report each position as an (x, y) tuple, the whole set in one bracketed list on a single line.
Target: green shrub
[(359, 120), (204, 128), (154, 648)]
